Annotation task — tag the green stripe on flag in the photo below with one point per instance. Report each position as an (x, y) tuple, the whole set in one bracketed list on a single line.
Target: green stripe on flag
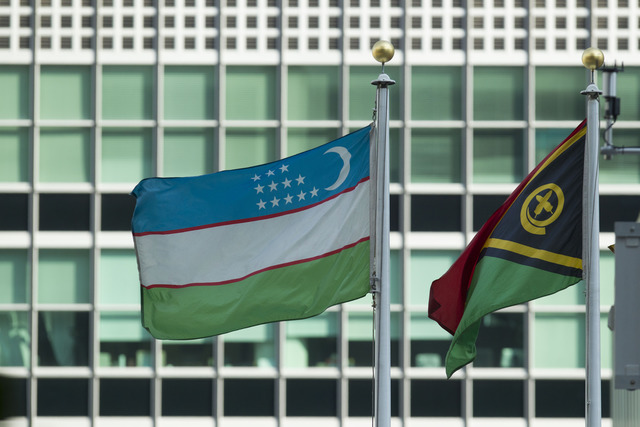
[(498, 283), (293, 292)]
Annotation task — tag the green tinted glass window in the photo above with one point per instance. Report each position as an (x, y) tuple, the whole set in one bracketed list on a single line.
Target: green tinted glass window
[(425, 267), (627, 88), (15, 89), (312, 342), (250, 347), (435, 155), (127, 92), (123, 340), (119, 280), (14, 279), (558, 93), (498, 93), (126, 154), (251, 93), (313, 93), (559, 340), (362, 94), (14, 154), (65, 154), (188, 152), (189, 93), (498, 155), (623, 168), (436, 93), (547, 140), (63, 276), (65, 92), (249, 147), (16, 341), (303, 139)]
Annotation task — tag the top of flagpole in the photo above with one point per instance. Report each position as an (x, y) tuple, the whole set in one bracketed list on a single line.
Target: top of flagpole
[(592, 59), (382, 52)]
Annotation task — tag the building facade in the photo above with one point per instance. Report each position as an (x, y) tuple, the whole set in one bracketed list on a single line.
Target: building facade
[(96, 95)]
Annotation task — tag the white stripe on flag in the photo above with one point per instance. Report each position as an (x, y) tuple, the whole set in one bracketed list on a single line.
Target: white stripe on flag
[(231, 252)]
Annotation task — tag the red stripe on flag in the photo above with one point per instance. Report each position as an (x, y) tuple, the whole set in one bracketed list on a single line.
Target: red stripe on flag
[(273, 267)]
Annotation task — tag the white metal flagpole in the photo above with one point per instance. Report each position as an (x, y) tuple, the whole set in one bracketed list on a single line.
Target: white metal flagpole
[(592, 59), (382, 51)]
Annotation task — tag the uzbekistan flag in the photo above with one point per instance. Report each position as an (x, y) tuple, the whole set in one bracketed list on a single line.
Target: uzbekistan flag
[(238, 248), (529, 248)]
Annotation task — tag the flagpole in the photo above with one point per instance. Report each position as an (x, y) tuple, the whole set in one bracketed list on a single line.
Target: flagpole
[(592, 59), (383, 52)]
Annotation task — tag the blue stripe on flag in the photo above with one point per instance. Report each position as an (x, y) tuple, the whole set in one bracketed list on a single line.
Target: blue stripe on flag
[(166, 204)]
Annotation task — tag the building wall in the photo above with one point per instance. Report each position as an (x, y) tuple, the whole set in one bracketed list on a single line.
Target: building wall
[(99, 94)]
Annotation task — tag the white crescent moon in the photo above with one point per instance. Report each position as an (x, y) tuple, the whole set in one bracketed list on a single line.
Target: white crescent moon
[(344, 172)]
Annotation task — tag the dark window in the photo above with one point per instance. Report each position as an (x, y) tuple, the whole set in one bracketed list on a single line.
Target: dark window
[(484, 207), (498, 398), (64, 212), (312, 398), (187, 397), (436, 398), (565, 399), (618, 208), (63, 397), (63, 339), (13, 397), (360, 392), (116, 212), (435, 213), (125, 397), (14, 211), (260, 392)]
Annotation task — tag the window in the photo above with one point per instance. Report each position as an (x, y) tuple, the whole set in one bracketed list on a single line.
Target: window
[(442, 83), (498, 155), (188, 151), (498, 93), (555, 87), (64, 212), (435, 155), (322, 81), (312, 342), (249, 146), (189, 93), (65, 92), (127, 92), (126, 154), (251, 93)]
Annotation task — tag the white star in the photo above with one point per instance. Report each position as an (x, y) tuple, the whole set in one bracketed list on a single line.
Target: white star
[(259, 188), (301, 195), (288, 199), (274, 202), (286, 183), (314, 192), (273, 186), (255, 177), (300, 179), (261, 204), (270, 173), (284, 168)]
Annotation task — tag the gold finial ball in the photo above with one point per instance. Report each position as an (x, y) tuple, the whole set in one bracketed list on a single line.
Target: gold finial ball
[(383, 51), (592, 58)]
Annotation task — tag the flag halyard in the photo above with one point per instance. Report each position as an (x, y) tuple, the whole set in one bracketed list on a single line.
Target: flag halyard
[(238, 248), (529, 248)]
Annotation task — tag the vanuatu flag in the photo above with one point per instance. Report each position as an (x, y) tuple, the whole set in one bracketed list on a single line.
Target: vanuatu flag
[(529, 248)]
